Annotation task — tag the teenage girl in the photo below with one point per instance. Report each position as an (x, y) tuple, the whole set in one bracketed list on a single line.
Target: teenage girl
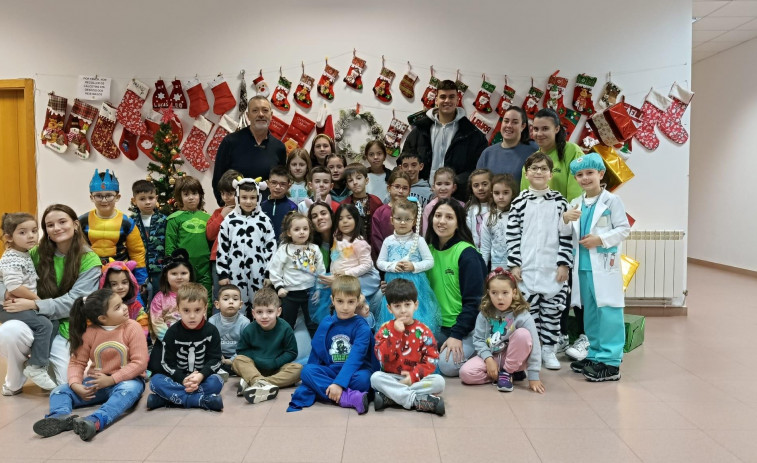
[(335, 163), (322, 146), (378, 173)]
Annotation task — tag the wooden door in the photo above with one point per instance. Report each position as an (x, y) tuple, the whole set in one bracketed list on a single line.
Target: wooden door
[(18, 170)]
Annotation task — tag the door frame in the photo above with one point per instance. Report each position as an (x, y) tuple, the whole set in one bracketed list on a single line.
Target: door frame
[(27, 143)]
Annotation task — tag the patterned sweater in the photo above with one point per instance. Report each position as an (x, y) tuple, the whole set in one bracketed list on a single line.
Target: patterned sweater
[(413, 350), (17, 269), (154, 240)]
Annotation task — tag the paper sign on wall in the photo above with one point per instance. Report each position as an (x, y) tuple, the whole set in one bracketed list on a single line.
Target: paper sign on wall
[(93, 88)]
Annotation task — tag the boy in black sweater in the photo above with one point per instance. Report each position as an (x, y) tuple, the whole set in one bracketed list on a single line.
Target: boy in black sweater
[(185, 367), (278, 204)]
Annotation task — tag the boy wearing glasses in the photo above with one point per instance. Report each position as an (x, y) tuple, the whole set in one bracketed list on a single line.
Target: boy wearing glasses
[(540, 252), (278, 204), (110, 232)]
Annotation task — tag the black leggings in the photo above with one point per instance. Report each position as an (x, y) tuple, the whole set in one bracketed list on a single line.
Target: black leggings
[(292, 303)]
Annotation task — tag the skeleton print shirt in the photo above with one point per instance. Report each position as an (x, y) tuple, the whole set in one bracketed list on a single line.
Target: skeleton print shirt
[(186, 351)]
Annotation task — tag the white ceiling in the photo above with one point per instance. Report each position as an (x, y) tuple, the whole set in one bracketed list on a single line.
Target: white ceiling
[(723, 24)]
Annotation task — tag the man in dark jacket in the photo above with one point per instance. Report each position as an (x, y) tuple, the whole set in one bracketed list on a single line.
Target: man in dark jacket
[(445, 137)]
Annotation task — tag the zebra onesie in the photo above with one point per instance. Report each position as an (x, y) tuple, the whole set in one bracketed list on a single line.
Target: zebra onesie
[(246, 244), (538, 241)]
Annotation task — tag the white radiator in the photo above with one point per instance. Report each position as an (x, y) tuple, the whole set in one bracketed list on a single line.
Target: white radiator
[(660, 278)]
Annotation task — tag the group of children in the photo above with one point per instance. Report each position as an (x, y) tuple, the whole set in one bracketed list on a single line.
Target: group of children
[(260, 256)]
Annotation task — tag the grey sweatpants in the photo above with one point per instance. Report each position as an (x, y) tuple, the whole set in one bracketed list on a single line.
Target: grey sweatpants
[(389, 385), (44, 331)]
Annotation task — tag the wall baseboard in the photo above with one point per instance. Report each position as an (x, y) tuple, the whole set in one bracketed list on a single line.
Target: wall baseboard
[(727, 268), (659, 311)]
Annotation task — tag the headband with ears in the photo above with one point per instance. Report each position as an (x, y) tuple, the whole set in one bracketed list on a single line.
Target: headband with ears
[(501, 271)]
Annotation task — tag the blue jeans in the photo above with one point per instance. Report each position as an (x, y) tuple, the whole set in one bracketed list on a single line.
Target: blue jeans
[(167, 388), (116, 400)]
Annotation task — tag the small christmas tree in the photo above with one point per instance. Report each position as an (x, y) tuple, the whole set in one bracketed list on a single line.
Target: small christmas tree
[(164, 172)]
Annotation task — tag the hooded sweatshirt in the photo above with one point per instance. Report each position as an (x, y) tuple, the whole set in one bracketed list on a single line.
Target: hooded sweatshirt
[(441, 136)]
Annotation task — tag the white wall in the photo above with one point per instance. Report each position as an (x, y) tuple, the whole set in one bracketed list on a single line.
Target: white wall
[(723, 215), (147, 39)]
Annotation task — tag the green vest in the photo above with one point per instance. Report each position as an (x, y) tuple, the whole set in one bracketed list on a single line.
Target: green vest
[(444, 278)]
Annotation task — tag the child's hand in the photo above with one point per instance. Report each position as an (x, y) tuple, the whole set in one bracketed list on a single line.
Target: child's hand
[(492, 369), (283, 292), (536, 386), (406, 380), (382, 286), (225, 281), (326, 279), (571, 214), (100, 380), (590, 241), (334, 392), (562, 273), (516, 273), (84, 392), (226, 210), (399, 326), (225, 361)]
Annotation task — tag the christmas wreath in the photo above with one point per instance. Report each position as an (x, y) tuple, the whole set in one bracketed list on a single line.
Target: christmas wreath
[(346, 118)]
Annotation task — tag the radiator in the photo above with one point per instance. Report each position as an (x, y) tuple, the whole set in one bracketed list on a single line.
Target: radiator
[(660, 278)]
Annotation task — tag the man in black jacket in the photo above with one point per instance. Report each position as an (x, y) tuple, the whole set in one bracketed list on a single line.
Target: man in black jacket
[(445, 137)]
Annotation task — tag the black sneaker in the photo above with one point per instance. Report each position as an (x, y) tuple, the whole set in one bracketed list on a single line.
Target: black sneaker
[(381, 401), (155, 401), (85, 429), (212, 402), (429, 403), (597, 372), (579, 365), (48, 427), (519, 376)]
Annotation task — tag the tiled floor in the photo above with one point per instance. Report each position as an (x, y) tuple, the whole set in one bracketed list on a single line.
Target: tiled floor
[(688, 394)]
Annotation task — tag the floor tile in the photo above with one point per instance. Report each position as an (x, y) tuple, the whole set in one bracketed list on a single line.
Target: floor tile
[(458, 444), (740, 442), (675, 445), (556, 415), (398, 445), (578, 445), (297, 444), (640, 415), (221, 443), (112, 443), (718, 415)]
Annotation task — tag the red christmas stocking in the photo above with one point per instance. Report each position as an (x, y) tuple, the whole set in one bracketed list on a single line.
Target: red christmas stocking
[(407, 85), (198, 102), (277, 127), (299, 130), (582, 94), (394, 135), (609, 95), (324, 123), (670, 123), (53, 135), (554, 95), (261, 87), (481, 124), (461, 89), (302, 94), (130, 110), (160, 98), (192, 147), (102, 134), (226, 126), (326, 83), (429, 96), (146, 141), (531, 103), (128, 144), (223, 99), (508, 93), (79, 121), (484, 98), (178, 99), (588, 138), (354, 77), (569, 119), (655, 105), (383, 86), (281, 93)]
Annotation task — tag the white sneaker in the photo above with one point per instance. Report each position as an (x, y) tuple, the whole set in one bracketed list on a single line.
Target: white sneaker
[(260, 391), (580, 349), (548, 358), (242, 386), (562, 343), (9, 392), (39, 376)]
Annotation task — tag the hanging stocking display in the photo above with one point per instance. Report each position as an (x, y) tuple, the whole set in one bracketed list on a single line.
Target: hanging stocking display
[(569, 119), (655, 105), (226, 126), (160, 97), (299, 130), (354, 77), (128, 144), (670, 122), (554, 94), (223, 99), (242, 95), (609, 95), (429, 96), (326, 83), (79, 121), (130, 110), (407, 85), (508, 93), (277, 127), (394, 135), (192, 147), (146, 141), (302, 94), (383, 87), (53, 135), (198, 102), (582, 99), (261, 87), (324, 123), (280, 96), (531, 103), (587, 139), (461, 89), (484, 97), (178, 100), (102, 134), (481, 124)]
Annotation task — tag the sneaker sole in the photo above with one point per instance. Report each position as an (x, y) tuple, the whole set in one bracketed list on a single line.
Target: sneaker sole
[(553, 367), (365, 405), (576, 370), (606, 378), (82, 430), (258, 395), (49, 427), (574, 357), (505, 389)]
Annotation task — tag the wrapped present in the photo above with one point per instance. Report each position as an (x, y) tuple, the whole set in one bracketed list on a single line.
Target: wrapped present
[(613, 125), (634, 327), (628, 268), (618, 171)]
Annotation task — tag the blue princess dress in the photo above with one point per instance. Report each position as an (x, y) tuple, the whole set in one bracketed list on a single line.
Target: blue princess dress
[(410, 248)]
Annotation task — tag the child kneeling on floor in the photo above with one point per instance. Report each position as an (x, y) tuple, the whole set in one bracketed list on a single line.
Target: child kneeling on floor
[(341, 360), (407, 351), (100, 332), (266, 351), (185, 367)]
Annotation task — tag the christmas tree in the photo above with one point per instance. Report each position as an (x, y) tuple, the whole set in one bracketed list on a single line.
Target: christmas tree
[(164, 172)]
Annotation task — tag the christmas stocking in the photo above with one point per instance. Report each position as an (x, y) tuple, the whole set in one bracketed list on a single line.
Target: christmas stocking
[(277, 127), (160, 97), (481, 124), (242, 95), (302, 94), (324, 122), (508, 93), (582, 94), (531, 103), (588, 138), (280, 94), (609, 95), (484, 98), (53, 135), (326, 83), (655, 105), (128, 144), (461, 89), (555, 90), (198, 102), (383, 86), (496, 136), (261, 87), (146, 141), (130, 110), (394, 135), (407, 85), (670, 123), (178, 99), (429, 96), (192, 147), (225, 126), (569, 119), (223, 99), (79, 121), (299, 130), (354, 77), (102, 134)]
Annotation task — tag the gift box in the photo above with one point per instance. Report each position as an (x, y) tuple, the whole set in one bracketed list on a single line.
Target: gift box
[(299, 131), (613, 125), (628, 268), (634, 326), (618, 171)]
